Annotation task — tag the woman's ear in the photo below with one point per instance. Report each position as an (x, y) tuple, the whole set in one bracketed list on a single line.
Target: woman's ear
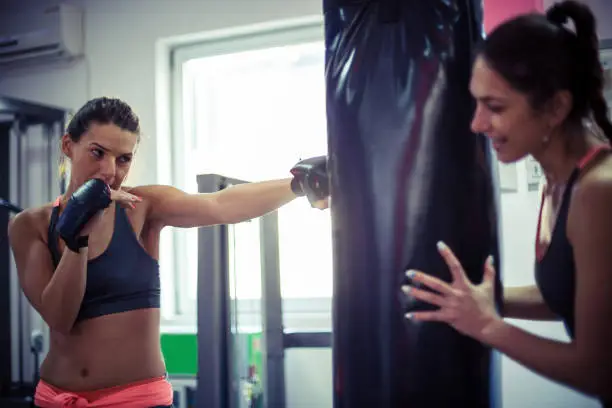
[(66, 145), (560, 107)]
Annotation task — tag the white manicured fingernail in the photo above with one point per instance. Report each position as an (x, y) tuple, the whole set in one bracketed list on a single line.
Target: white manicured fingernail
[(410, 273), (441, 245), (406, 289), (491, 260)]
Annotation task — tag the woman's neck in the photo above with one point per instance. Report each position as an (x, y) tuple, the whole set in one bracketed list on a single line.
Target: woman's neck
[(561, 155)]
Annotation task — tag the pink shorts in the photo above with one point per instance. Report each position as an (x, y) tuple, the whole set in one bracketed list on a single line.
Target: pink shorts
[(149, 393)]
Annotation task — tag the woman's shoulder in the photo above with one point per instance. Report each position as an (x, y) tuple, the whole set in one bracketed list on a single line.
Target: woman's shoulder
[(39, 214), (592, 194), (150, 195), (597, 175), (33, 221), (152, 192)]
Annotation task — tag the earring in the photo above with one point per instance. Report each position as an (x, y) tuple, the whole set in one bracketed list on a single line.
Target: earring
[(546, 139)]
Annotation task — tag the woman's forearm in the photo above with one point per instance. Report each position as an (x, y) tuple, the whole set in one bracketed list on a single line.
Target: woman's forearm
[(251, 200), (558, 361), (526, 302), (62, 297)]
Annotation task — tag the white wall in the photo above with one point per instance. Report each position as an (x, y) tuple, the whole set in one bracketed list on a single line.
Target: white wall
[(121, 38), (120, 44)]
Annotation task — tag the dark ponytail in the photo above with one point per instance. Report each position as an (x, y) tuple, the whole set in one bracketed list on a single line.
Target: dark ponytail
[(539, 56), (589, 71)]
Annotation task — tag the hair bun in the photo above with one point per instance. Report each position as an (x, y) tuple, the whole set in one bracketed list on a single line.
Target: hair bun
[(557, 14)]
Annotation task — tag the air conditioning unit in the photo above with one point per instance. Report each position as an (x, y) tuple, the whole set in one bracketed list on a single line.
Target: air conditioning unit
[(52, 33)]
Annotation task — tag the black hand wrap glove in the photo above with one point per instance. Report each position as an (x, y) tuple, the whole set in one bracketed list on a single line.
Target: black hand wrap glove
[(89, 199), (310, 179)]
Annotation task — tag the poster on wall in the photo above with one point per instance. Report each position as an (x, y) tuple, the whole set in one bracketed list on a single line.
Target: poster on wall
[(534, 174), (606, 62)]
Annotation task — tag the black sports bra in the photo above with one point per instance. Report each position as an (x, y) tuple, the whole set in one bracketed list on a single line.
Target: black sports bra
[(124, 277), (555, 269)]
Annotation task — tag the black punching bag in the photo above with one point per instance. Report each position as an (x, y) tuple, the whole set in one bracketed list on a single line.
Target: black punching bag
[(406, 171)]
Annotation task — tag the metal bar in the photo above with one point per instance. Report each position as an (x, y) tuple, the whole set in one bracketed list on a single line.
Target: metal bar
[(15, 325), (29, 137), (225, 182), (62, 129), (227, 396), (233, 387), (308, 340), (32, 112), (5, 264), (6, 118), (19, 130), (212, 311), (48, 132), (10, 206), (272, 310)]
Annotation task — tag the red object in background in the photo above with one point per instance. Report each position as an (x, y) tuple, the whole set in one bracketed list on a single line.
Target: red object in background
[(496, 11)]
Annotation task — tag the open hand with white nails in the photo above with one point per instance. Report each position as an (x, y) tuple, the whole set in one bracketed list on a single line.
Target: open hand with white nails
[(467, 307)]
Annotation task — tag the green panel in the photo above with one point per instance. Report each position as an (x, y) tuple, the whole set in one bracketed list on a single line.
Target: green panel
[(180, 353), (253, 386), (254, 352)]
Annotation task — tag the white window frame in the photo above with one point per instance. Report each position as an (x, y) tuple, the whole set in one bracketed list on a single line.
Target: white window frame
[(171, 169)]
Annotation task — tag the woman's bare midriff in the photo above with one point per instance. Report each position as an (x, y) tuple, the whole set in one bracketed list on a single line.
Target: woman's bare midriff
[(104, 352)]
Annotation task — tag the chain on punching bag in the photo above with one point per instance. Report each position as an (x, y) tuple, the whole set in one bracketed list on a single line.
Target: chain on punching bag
[(406, 172)]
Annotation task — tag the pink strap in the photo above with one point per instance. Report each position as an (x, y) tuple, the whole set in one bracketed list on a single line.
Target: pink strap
[(143, 394), (592, 153)]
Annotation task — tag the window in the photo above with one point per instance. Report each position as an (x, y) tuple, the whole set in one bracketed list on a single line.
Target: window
[(249, 108)]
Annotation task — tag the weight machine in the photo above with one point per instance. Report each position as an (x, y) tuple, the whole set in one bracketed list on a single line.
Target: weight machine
[(29, 153)]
